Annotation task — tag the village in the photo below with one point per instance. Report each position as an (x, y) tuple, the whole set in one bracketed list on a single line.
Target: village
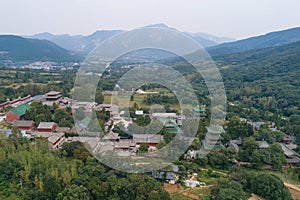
[(127, 146)]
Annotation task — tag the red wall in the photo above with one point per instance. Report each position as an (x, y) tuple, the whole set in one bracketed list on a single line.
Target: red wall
[(27, 128), (48, 130), (150, 144), (10, 117)]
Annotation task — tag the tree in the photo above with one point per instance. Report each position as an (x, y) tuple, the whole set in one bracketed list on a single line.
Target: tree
[(270, 187), (236, 128), (63, 118), (143, 148), (228, 190), (99, 98), (266, 135), (248, 147), (81, 153), (15, 136), (51, 187), (70, 147), (74, 192), (38, 112), (242, 176), (196, 144), (161, 144)]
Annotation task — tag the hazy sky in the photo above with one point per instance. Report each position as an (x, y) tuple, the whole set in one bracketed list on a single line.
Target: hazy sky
[(231, 18)]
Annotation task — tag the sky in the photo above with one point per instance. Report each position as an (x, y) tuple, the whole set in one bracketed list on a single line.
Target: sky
[(231, 18)]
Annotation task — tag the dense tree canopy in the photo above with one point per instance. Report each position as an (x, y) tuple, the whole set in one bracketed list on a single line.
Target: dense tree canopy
[(270, 187)]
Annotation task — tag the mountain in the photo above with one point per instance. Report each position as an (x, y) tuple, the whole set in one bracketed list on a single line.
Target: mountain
[(84, 44), (160, 26), (212, 38), (20, 49), (88, 43), (66, 41), (283, 59), (77, 43), (202, 39), (269, 40), (263, 79)]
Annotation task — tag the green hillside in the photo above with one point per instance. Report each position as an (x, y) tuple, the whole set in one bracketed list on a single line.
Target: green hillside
[(20, 49), (266, 79)]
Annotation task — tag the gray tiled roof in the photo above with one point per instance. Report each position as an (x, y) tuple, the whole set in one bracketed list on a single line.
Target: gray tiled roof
[(55, 137), (23, 123), (147, 138), (46, 125)]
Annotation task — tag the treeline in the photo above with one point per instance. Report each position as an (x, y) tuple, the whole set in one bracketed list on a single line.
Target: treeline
[(23, 82)]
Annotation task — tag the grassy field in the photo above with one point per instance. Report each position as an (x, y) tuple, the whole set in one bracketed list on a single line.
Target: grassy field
[(123, 99)]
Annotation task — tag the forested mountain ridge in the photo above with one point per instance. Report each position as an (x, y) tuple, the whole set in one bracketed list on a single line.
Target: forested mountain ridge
[(21, 49), (267, 79), (259, 42)]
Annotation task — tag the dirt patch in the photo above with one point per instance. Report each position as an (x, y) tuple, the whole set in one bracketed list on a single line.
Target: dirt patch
[(190, 195), (172, 188), (294, 190), (255, 197), (178, 189)]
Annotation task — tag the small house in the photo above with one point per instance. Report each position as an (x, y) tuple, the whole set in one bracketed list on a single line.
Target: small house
[(56, 140), (150, 139), (24, 124), (287, 139), (191, 183), (17, 113), (47, 127)]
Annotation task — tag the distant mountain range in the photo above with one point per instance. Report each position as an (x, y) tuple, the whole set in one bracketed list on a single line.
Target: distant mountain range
[(269, 40), (49, 47), (80, 44), (17, 48), (84, 44)]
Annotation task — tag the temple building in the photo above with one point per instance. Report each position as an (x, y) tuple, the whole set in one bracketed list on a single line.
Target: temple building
[(199, 112), (51, 97), (212, 139), (171, 126)]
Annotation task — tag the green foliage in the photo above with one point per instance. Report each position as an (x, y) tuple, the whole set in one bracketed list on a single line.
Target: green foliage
[(263, 88), (237, 129), (242, 176), (63, 118), (219, 159), (270, 187), (34, 172), (273, 156), (143, 120), (21, 49), (38, 112), (228, 190), (99, 98), (269, 136), (248, 147), (143, 148), (160, 99)]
